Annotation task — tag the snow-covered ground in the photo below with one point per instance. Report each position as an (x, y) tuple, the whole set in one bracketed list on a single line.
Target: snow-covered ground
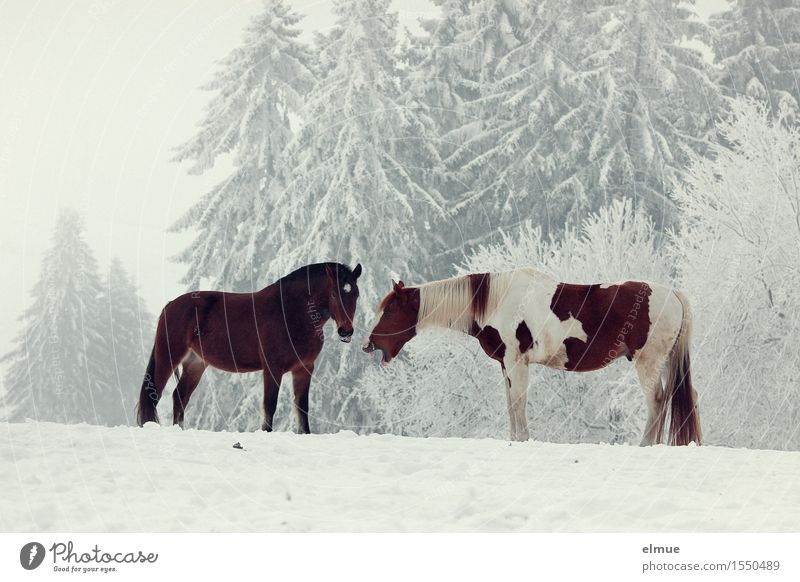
[(87, 478)]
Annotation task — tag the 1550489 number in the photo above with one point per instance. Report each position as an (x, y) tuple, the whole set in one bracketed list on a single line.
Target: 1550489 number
[(758, 565)]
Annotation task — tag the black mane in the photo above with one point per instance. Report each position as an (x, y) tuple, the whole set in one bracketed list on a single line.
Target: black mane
[(315, 270)]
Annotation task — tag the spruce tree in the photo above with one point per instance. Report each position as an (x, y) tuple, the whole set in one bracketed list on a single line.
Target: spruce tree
[(358, 185), (129, 329), (656, 100), (58, 370), (757, 44), (439, 75), (527, 155), (261, 84), (577, 103)]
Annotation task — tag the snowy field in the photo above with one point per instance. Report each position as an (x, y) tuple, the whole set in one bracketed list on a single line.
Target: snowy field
[(89, 478)]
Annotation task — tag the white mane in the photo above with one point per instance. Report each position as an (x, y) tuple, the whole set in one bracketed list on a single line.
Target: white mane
[(445, 304), (448, 303)]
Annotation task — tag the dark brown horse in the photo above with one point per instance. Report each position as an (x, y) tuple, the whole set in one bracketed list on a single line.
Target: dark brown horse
[(276, 330)]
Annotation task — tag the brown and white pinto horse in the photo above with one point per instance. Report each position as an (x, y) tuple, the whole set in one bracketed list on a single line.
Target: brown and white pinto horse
[(276, 330), (523, 317)]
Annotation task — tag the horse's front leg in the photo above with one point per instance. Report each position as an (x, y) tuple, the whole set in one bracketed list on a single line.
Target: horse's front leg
[(272, 386), (512, 420), (518, 378), (301, 379)]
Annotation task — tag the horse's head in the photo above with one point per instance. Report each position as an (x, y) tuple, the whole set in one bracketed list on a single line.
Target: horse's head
[(397, 322), (343, 297)]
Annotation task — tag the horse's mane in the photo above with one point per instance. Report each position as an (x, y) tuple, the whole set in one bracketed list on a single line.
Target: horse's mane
[(458, 302), (313, 271)]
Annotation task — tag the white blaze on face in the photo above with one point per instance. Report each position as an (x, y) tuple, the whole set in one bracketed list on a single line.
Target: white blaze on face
[(347, 288)]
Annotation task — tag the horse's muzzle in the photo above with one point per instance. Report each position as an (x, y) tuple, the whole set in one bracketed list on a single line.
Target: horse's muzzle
[(346, 335), (370, 348)]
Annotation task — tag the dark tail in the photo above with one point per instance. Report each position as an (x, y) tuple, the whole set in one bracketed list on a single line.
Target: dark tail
[(148, 397), (681, 397)]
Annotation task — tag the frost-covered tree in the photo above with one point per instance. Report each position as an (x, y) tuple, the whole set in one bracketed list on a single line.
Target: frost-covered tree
[(757, 44), (466, 49), (357, 186), (738, 256), (442, 384), (439, 75), (578, 103), (129, 329), (522, 114), (438, 84), (656, 101), (261, 84), (58, 369)]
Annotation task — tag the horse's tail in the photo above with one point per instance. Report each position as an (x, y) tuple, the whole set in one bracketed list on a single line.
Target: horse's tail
[(148, 397), (680, 396)]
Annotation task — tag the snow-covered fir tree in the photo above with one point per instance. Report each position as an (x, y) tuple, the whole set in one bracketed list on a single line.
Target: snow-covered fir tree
[(656, 100), (259, 86), (526, 146), (439, 83), (580, 103), (58, 369), (357, 181), (757, 45), (260, 90), (439, 74), (129, 330)]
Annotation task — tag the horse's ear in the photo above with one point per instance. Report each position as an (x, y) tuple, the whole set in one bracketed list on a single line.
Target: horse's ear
[(357, 271), (397, 286)]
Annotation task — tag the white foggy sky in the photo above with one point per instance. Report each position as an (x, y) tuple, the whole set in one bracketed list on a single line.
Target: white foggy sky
[(94, 94)]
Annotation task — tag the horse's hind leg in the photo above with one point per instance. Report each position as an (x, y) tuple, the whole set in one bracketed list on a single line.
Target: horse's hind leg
[(649, 370), (193, 368), (301, 379), (164, 358), (272, 387), (665, 314)]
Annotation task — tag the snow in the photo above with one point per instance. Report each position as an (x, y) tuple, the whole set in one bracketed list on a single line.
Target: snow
[(91, 478)]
